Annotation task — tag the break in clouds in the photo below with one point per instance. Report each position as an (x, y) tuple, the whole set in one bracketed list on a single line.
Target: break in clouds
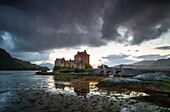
[(125, 59), (116, 59), (39, 25)]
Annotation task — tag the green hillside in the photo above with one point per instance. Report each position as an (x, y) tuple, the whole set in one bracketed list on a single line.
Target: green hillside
[(7, 62)]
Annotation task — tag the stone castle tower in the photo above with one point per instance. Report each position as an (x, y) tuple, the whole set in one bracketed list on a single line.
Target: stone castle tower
[(82, 57)]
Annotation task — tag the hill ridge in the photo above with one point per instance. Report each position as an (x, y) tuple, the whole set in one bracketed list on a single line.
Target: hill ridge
[(7, 62)]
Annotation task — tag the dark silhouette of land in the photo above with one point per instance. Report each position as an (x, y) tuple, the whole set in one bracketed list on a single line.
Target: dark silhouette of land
[(7, 62)]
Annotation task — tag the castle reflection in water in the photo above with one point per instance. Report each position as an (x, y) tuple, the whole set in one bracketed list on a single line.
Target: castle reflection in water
[(88, 89), (80, 88)]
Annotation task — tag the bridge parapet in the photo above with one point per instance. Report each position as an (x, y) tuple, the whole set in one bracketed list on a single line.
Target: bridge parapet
[(107, 71), (130, 71)]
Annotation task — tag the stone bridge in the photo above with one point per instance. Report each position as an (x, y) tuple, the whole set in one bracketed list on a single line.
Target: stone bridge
[(129, 71), (110, 70)]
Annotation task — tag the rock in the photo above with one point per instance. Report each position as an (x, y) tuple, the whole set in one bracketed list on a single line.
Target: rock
[(151, 76), (119, 81), (143, 107)]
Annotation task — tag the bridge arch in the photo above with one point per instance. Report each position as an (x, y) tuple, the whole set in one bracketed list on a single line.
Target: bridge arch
[(102, 72), (109, 72), (119, 72)]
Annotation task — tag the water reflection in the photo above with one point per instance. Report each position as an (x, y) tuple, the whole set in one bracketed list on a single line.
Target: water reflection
[(24, 91), (51, 83), (87, 89), (81, 89)]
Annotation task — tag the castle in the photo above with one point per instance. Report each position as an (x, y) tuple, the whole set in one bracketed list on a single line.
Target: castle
[(81, 60)]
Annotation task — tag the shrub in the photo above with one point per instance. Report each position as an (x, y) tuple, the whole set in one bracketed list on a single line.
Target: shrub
[(56, 68)]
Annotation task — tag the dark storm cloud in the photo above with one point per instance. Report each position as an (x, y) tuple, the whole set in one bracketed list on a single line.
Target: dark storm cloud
[(38, 25), (143, 19), (1, 39), (163, 48), (136, 50)]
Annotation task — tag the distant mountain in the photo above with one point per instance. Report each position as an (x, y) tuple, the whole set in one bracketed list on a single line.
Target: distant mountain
[(49, 65), (159, 62), (7, 62), (162, 62), (144, 63)]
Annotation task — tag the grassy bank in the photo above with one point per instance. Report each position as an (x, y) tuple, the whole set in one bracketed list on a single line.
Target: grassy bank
[(78, 78), (65, 77), (70, 70)]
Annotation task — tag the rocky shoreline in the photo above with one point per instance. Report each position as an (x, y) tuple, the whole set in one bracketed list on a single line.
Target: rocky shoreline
[(156, 85)]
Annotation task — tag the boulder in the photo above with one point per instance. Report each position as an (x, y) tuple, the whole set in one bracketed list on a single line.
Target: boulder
[(118, 81), (151, 76)]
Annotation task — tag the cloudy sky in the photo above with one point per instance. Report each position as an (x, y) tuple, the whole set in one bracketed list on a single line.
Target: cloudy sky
[(112, 31)]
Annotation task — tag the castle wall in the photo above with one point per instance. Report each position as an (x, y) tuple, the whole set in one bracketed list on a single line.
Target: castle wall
[(60, 62)]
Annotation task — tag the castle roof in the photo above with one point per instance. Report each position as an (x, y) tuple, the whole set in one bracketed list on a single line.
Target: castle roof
[(58, 59), (82, 53)]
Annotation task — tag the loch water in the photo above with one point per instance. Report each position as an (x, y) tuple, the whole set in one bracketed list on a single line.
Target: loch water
[(23, 91)]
